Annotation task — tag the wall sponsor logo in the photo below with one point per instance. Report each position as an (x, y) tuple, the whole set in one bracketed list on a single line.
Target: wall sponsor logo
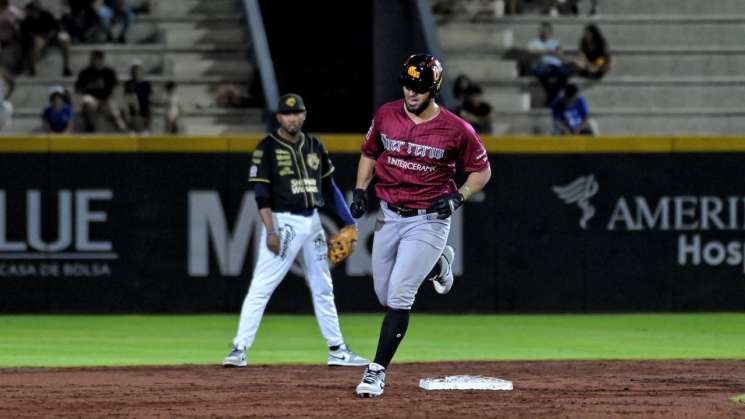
[(701, 220), (72, 251), (579, 192), (211, 234)]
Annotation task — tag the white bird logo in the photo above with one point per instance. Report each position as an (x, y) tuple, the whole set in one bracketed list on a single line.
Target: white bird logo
[(579, 191)]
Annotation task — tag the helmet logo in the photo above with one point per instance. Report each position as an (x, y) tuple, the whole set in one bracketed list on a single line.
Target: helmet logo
[(413, 72), (436, 71), (290, 101)]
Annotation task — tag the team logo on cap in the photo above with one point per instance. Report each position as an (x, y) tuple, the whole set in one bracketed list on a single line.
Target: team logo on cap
[(313, 161), (413, 72), (291, 101)]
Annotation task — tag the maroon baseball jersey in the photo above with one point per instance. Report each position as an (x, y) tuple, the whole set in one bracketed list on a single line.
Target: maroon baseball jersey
[(415, 163)]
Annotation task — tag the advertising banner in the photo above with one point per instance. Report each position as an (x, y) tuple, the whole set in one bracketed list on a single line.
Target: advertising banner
[(553, 232)]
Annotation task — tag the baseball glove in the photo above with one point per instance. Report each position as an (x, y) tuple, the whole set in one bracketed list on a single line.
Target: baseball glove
[(342, 243)]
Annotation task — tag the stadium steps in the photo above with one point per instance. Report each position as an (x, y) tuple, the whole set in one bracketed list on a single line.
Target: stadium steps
[(195, 7), (679, 72), (663, 92), (194, 92), (618, 121), (663, 7), (199, 44), (681, 30), (195, 121)]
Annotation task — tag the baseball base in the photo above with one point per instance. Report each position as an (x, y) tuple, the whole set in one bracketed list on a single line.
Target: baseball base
[(465, 382)]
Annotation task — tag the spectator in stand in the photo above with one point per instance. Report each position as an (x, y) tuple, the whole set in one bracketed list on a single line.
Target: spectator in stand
[(571, 114), (110, 11), (548, 65), (96, 84), (58, 116), (461, 83), (594, 56), (173, 109), (7, 84), (40, 29), (137, 92), (475, 110), (10, 47), (80, 20), (569, 7)]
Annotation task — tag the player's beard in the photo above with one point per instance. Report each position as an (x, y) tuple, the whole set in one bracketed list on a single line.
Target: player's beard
[(292, 130), (418, 109)]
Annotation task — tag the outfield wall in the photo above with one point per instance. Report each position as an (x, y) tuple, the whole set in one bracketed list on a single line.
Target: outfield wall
[(167, 225)]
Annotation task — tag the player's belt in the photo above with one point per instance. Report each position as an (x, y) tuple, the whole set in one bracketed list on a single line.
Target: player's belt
[(409, 212), (305, 212)]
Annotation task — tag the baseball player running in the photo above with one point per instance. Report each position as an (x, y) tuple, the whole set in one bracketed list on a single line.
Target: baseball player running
[(412, 147), (292, 176)]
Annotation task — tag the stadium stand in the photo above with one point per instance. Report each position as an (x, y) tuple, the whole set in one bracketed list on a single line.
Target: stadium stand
[(676, 66), (198, 44)]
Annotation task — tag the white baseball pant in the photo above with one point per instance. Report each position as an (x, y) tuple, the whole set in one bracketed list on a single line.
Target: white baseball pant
[(296, 232)]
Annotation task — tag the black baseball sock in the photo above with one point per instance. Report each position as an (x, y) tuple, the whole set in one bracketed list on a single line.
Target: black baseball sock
[(392, 333)]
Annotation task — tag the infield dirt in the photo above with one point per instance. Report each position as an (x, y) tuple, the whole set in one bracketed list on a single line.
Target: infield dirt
[(585, 389)]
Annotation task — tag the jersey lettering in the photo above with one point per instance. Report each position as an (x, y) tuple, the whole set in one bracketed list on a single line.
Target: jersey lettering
[(418, 167), (299, 186), (412, 149)]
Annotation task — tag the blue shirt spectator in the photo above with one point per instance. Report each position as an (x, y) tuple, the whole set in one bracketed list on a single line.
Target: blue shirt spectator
[(571, 113), (58, 116)]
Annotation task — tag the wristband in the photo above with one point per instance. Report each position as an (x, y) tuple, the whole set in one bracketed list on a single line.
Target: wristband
[(466, 192)]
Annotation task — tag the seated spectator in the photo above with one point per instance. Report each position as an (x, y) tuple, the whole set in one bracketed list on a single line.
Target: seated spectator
[(549, 67), (173, 109), (569, 7), (96, 84), (80, 20), (571, 114), (137, 92), (40, 29), (7, 84), (110, 11), (594, 56), (475, 110), (58, 116), (461, 83), (10, 46), (232, 96)]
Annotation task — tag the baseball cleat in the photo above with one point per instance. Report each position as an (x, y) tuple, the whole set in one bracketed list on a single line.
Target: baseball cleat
[(344, 357), (236, 358), (373, 381), (444, 281)]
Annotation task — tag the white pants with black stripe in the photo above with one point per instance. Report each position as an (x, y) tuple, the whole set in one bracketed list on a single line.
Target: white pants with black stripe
[(296, 232)]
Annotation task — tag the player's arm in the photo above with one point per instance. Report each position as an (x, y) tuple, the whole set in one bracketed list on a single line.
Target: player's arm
[(335, 200), (260, 175), (475, 182), (365, 171), (476, 163), (263, 196)]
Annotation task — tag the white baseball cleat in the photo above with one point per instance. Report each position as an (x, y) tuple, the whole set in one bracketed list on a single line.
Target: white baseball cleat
[(373, 381), (444, 281), (236, 358), (344, 357)]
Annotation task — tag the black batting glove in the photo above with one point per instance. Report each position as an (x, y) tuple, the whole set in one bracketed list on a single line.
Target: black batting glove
[(446, 205), (359, 203)]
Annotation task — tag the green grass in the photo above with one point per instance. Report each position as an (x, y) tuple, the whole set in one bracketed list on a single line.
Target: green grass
[(72, 340), (739, 399)]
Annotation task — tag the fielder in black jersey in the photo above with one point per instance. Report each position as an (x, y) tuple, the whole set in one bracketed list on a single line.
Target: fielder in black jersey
[(295, 173), (292, 177)]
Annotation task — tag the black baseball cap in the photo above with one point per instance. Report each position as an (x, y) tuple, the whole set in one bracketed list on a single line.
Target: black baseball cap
[(290, 103)]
